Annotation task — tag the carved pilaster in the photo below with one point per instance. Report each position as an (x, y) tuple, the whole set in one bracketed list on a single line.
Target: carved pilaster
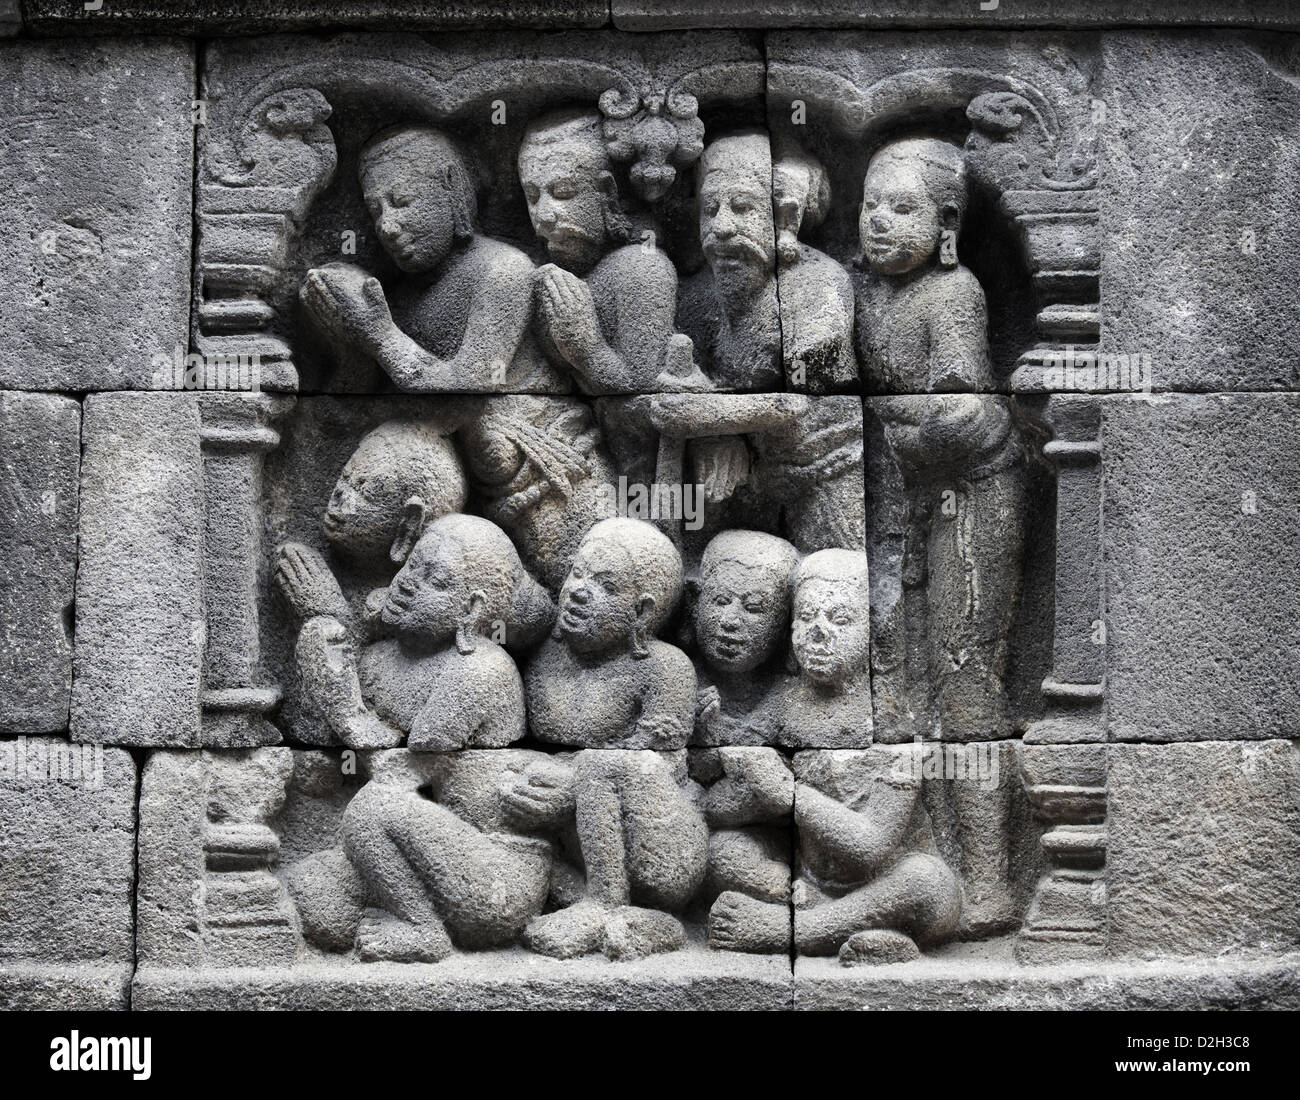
[(1065, 754), (247, 918), (236, 433)]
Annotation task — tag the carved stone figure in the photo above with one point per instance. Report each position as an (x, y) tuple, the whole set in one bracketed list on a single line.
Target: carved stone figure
[(402, 474), (605, 306), (748, 799), (816, 293), (603, 680), (922, 329), (539, 468), (730, 308), (741, 627), (828, 704), (735, 310), (871, 886), (414, 875), (645, 850), (462, 322), (452, 594)]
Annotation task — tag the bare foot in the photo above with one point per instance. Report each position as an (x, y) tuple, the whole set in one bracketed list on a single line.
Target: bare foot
[(567, 933), (382, 937), (877, 946), (740, 923), (633, 933)]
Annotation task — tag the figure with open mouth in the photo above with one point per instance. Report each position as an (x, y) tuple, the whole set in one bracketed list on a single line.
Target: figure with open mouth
[(604, 683)]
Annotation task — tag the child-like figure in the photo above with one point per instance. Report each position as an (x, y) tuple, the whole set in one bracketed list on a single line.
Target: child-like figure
[(829, 703), (606, 684), (603, 680), (871, 884), (742, 615), (464, 323), (440, 677)]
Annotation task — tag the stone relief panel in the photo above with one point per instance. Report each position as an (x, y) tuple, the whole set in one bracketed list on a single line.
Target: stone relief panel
[(593, 658), (655, 529)]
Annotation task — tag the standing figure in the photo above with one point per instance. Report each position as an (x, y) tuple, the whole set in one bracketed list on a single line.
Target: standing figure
[(923, 330)]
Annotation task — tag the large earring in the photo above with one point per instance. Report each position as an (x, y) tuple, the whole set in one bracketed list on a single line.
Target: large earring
[(471, 623)]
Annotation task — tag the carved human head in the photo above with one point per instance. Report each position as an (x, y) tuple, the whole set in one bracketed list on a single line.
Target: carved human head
[(831, 634), (458, 581), (564, 169), (401, 474), (744, 603), (737, 231), (623, 584), (914, 191), (420, 194), (801, 192)]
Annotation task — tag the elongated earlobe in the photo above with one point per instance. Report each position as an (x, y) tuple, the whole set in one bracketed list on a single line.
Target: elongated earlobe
[(472, 623), (408, 531), (641, 628)]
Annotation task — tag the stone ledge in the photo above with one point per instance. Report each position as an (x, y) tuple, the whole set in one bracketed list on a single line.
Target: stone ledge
[(81, 987), (647, 15), (223, 17), (694, 978), (985, 976)]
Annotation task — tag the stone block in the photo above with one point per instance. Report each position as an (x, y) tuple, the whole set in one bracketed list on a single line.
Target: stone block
[(1203, 845), (40, 436), (1200, 261), (140, 603), (98, 174), (67, 819), (1199, 501)]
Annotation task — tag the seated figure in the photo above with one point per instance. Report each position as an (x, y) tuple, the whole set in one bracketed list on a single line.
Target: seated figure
[(603, 682), (605, 306), (871, 884), (439, 677), (463, 323), (828, 704), (416, 876), (748, 797), (741, 621)]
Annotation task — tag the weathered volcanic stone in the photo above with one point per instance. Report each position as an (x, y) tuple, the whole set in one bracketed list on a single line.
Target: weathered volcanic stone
[(96, 165), (140, 619), (643, 15), (1203, 848), (984, 976), (40, 438), (514, 980), (67, 847), (1201, 509), (224, 17), (1197, 203)]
